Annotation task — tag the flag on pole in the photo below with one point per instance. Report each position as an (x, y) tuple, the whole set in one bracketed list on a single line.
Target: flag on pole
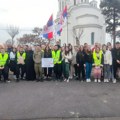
[(48, 29), (65, 12), (59, 25), (64, 15), (58, 29), (62, 21)]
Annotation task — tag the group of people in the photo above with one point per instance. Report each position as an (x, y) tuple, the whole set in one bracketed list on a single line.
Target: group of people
[(83, 63)]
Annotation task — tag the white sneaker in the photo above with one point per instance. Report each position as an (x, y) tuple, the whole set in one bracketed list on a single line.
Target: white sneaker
[(105, 80), (68, 80), (65, 80), (88, 80), (114, 81), (8, 81), (95, 80), (99, 81)]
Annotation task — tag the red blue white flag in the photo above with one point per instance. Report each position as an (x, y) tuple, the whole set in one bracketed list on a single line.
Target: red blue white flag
[(48, 29), (65, 12)]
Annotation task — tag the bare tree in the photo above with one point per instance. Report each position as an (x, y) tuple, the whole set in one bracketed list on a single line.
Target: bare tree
[(37, 31), (78, 33), (13, 31), (26, 38), (8, 42)]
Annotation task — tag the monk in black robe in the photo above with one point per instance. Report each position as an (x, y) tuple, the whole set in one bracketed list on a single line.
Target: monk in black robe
[(30, 72)]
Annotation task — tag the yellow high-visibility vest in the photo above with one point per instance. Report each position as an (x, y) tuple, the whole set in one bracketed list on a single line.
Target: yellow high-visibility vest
[(3, 59), (97, 61), (23, 55), (56, 57)]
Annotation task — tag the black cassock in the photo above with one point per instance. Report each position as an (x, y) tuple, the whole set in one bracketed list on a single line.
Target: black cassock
[(30, 72)]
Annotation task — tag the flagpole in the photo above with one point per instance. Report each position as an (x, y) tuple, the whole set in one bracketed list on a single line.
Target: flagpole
[(55, 38), (67, 29)]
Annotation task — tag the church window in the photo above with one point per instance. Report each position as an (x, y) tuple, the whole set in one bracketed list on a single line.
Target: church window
[(92, 38)]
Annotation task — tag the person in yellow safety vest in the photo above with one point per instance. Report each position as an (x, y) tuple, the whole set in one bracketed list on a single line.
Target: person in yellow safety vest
[(57, 56), (20, 60), (4, 60), (97, 63)]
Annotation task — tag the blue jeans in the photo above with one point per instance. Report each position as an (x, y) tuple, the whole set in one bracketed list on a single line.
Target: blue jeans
[(107, 71), (88, 70), (67, 69)]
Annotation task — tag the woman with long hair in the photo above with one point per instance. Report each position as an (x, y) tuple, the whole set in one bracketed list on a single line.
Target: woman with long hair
[(47, 54), (70, 47), (97, 64), (88, 63), (107, 63), (67, 58)]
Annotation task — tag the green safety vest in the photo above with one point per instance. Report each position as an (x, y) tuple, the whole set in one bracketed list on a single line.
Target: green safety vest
[(56, 57), (23, 55), (96, 60), (3, 59)]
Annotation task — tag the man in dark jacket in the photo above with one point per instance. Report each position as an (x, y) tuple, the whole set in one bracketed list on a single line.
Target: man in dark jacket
[(116, 59), (80, 64)]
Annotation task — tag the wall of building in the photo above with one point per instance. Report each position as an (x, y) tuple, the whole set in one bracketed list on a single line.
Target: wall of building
[(88, 18)]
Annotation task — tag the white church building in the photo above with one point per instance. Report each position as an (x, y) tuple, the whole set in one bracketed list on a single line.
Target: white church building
[(85, 23)]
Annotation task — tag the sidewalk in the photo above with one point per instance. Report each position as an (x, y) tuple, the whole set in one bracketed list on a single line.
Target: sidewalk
[(81, 119), (114, 118), (30, 100)]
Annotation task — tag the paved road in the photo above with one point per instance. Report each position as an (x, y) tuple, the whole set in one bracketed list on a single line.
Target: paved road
[(35, 100)]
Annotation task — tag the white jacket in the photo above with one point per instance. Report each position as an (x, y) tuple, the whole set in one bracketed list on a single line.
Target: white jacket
[(68, 57), (12, 56), (108, 57)]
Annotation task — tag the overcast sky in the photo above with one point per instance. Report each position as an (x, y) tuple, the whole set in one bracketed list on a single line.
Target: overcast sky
[(26, 14)]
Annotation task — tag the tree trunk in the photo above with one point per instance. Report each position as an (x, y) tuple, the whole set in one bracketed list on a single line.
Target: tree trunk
[(12, 41), (77, 41), (114, 28)]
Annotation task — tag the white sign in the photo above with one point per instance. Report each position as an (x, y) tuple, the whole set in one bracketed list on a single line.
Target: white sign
[(47, 62)]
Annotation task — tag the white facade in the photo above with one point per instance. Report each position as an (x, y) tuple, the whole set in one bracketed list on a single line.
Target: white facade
[(82, 16)]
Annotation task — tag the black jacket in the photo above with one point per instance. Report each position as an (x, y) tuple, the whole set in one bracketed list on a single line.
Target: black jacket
[(88, 57), (115, 54), (48, 54), (80, 57)]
